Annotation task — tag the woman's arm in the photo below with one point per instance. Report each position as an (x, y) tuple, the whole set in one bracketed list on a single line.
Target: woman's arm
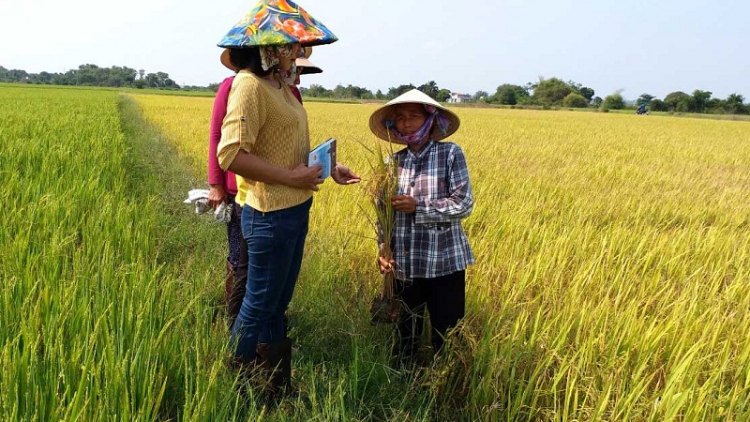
[(215, 172), (217, 176), (255, 168), (458, 204)]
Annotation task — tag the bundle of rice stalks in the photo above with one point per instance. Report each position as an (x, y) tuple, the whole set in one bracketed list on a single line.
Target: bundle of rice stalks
[(384, 184)]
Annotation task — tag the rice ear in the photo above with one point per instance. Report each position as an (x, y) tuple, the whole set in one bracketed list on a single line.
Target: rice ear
[(383, 185)]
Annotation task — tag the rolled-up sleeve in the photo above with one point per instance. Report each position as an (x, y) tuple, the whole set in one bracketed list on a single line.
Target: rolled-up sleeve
[(245, 116)]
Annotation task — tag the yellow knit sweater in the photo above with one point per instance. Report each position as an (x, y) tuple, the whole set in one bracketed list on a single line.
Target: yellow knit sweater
[(271, 124)]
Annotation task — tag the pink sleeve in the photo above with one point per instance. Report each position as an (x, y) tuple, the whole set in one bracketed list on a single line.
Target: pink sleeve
[(215, 173)]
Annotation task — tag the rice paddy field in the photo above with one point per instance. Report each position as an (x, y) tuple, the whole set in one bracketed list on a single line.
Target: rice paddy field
[(612, 280)]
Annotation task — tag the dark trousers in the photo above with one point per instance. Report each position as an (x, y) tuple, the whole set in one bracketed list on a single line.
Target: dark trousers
[(445, 300), (235, 241), (237, 262)]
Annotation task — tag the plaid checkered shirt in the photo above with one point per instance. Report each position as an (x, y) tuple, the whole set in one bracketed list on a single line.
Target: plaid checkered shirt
[(431, 242)]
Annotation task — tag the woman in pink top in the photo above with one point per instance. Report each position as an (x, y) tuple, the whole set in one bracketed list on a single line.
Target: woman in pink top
[(224, 189)]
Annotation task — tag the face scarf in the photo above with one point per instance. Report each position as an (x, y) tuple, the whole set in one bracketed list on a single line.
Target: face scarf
[(433, 115), (271, 57)]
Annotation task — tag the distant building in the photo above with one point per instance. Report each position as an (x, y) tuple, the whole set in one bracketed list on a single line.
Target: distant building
[(459, 98)]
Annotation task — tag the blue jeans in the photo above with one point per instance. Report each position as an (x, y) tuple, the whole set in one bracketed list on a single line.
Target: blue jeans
[(275, 243)]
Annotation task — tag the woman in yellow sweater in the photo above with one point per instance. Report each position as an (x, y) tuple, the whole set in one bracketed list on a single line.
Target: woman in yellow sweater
[(265, 141)]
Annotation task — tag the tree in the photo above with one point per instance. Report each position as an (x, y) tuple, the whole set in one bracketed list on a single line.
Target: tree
[(507, 97), (644, 99), (674, 98), (152, 81), (113, 81), (597, 102), (575, 100), (443, 95), (88, 74), (701, 100), (509, 94), (481, 95), (338, 91), (587, 93), (551, 91), (613, 102), (45, 77), (658, 105), (430, 88), (686, 105), (736, 104), (395, 92), (316, 90), (379, 95), (717, 106), (350, 91)]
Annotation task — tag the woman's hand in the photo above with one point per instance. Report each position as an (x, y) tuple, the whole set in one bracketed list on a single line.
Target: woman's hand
[(216, 196), (343, 175), (304, 177), (404, 203), (384, 265)]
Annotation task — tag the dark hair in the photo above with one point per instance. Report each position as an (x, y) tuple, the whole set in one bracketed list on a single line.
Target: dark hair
[(248, 58)]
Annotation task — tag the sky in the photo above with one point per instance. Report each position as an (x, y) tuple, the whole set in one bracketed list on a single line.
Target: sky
[(637, 46)]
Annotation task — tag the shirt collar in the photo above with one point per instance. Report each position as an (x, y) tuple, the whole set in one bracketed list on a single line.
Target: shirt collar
[(422, 151)]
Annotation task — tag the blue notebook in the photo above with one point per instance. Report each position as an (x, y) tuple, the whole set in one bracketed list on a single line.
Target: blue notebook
[(325, 154)]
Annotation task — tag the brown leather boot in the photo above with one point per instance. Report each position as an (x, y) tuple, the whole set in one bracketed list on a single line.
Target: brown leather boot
[(276, 363), (234, 293)]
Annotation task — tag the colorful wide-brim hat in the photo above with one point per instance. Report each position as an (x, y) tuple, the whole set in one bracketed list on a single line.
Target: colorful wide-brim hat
[(384, 113), (277, 22)]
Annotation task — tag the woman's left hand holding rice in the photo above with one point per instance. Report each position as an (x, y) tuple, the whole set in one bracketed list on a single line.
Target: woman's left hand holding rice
[(404, 203)]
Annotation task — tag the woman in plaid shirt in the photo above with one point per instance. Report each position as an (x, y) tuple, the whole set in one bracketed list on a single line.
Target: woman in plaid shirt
[(430, 249)]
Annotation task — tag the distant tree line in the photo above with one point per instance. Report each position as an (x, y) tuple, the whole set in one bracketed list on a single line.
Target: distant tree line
[(698, 102), (552, 92), (93, 75), (355, 92)]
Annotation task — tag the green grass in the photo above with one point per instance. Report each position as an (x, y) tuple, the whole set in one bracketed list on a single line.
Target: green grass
[(100, 287)]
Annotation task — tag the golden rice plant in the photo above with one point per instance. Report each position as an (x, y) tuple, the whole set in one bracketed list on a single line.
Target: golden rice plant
[(382, 185), (612, 275)]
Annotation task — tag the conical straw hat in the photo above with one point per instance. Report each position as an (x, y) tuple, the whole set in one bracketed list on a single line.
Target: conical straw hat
[(307, 67), (226, 60), (414, 96)]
